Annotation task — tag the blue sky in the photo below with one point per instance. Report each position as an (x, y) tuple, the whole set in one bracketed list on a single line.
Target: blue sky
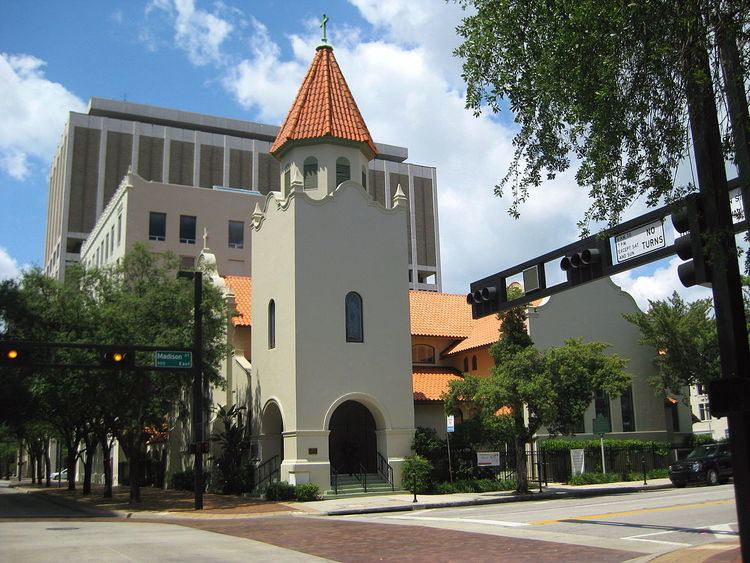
[(245, 60)]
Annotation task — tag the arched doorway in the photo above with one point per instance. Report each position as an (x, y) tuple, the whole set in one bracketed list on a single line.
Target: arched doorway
[(352, 439), (272, 426)]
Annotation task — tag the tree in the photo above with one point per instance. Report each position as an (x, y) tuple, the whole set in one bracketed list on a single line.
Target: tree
[(232, 437), (529, 389), (684, 337), (604, 83)]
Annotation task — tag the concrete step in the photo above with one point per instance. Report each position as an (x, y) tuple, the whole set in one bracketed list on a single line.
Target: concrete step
[(361, 493)]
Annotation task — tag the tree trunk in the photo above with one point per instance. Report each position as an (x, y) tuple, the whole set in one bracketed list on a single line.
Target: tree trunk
[(72, 447), (32, 464), (135, 474), (88, 461), (47, 464), (107, 464), (522, 478)]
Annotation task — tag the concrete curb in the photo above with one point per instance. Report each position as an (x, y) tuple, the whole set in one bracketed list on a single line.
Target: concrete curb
[(501, 500), (77, 506)]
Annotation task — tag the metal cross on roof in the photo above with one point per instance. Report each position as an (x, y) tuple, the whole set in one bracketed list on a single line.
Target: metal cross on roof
[(205, 238), (324, 21)]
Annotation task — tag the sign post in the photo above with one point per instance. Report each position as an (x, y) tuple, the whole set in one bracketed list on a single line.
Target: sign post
[(450, 427), (601, 427)]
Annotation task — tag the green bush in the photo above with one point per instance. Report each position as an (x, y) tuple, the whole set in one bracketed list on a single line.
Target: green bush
[(280, 490), (595, 478), (416, 474), (185, 480), (563, 444), (474, 486), (699, 440), (307, 492)]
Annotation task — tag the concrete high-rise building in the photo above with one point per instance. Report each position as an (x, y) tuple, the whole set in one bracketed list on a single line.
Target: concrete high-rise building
[(189, 149)]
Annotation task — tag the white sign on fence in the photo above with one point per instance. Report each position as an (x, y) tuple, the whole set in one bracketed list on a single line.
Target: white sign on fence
[(450, 424), (738, 210), (488, 459), (641, 240), (576, 461)]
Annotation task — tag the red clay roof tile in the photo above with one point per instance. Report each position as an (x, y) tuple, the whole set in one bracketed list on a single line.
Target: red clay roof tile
[(429, 383), (242, 287)]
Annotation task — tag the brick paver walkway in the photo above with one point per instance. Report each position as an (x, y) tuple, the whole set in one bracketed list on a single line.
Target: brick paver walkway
[(356, 541)]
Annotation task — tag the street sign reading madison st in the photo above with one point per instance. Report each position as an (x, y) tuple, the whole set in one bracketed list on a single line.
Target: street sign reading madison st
[(173, 359)]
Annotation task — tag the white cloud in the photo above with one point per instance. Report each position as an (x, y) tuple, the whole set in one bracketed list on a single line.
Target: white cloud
[(197, 32), (33, 111), (659, 285), (8, 266)]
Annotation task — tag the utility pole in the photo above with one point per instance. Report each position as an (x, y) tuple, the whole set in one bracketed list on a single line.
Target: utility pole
[(725, 275)]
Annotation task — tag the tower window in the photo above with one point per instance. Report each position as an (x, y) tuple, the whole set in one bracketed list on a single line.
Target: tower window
[(343, 171), (157, 226), (271, 324), (310, 172), (466, 365), (353, 304), (473, 363), (364, 178)]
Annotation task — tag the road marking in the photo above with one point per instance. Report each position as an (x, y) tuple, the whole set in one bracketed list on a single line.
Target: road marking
[(721, 531), (463, 521), (629, 512), (638, 538)]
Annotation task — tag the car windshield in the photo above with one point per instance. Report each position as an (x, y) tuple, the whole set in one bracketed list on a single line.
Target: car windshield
[(702, 451)]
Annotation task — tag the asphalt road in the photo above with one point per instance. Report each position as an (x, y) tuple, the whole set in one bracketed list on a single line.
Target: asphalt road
[(648, 522)]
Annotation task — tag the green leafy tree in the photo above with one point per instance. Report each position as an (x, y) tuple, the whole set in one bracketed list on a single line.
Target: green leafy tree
[(606, 83), (415, 474), (233, 469), (684, 337), (529, 389)]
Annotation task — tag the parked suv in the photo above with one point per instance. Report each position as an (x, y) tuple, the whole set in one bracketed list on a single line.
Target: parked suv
[(709, 464)]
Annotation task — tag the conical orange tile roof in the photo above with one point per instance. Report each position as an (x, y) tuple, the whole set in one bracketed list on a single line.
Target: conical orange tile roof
[(324, 106)]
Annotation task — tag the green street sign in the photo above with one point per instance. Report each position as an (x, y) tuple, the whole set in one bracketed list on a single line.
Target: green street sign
[(601, 425), (171, 359)]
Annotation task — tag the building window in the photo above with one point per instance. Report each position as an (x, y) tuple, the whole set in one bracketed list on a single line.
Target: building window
[(458, 417), (187, 229), (106, 246), (422, 354), (703, 412), (466, 365), (236, 234), (343, 172), (157, 226), (310, 173), (111, 239), (601, 405), (353, 304), (364, 178), (271, 324), (699, 390), (473, 363), (119, 229), (287, 180), (626, 408)]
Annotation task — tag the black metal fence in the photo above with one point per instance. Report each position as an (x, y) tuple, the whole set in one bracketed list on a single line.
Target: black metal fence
[(557, 465)]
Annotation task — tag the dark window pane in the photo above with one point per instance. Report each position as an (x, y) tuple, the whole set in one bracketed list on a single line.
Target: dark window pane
[(310, 173), (422, 354), (236, 234), (474, 363), (601, 404), (157, 226), (187, 229), (353, 304), (628, 413), (271, 324)]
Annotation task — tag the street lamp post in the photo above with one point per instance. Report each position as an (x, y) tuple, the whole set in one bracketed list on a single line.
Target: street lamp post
[(197, 278)]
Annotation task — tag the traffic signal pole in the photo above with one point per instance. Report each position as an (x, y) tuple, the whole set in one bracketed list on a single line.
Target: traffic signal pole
[(721, 250), (198, 387)]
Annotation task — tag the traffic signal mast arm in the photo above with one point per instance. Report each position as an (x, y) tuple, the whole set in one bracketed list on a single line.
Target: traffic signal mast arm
[(589, 259)]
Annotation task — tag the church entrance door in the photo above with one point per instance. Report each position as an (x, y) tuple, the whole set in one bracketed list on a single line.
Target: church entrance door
[(352, 439)]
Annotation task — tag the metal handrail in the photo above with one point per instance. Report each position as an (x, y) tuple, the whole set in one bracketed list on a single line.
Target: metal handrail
[(265, 474), (335, 480), (363, 475), (386, 471)]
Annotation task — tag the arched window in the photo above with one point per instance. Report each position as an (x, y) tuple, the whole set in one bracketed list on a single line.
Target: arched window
[(287, 180), (458, 417), (466, 364), (343, 172), (422, 354), (473, 363), (364, 178), (310, 173), (353, 304), (271, 324)]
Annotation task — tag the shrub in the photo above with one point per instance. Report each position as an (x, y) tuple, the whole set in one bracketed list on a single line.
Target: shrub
[(474, 486), (416, 474), (699, 439), (562, 444), (307, 492), (185, 480), (595, 478), (280, 490)]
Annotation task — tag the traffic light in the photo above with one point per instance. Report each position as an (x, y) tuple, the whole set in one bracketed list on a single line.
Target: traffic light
[(484, 300), (14, 355), (117, 357), (689, 219), (586, 264)]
